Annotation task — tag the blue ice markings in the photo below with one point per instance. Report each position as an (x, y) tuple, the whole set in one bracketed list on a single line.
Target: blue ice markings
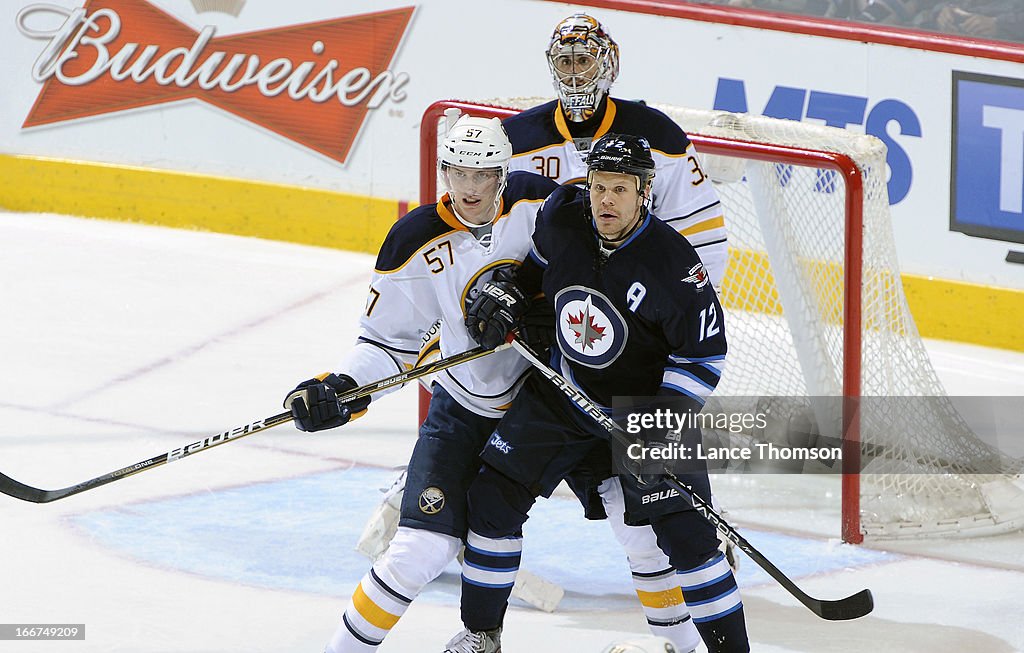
[(299, 534)]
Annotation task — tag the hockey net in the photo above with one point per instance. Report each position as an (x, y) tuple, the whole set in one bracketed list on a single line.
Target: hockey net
[(815, 308)]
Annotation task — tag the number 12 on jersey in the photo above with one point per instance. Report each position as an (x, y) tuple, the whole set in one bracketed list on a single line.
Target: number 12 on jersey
[(708, 323)]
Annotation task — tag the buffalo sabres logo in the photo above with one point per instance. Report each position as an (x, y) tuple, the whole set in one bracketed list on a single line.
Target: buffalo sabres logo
[(590, 329), (431, 500), (698, 276)]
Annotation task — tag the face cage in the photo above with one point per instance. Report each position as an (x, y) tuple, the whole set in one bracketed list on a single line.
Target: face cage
[(442, 172), (580, 101)]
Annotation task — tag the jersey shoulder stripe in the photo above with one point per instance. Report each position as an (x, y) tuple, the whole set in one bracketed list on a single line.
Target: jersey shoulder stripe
[(663, 133), (414, 230), (533, 128)]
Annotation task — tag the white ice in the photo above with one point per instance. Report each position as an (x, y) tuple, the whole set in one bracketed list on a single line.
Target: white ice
[(119, 342)]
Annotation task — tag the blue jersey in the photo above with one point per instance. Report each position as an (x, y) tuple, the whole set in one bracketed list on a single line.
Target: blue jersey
[(641, 318)]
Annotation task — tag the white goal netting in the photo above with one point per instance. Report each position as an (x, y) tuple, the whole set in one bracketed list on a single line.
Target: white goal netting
[(925, 471)]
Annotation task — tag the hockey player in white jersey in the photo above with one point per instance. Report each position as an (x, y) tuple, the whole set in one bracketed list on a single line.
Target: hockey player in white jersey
[(432, 263), (553, 139)]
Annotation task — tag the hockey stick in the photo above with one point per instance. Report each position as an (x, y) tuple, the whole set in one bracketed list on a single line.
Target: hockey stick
[(852, 607), (19, 490)]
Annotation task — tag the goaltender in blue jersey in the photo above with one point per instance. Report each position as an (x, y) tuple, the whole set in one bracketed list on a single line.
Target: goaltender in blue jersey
[(553, 139)]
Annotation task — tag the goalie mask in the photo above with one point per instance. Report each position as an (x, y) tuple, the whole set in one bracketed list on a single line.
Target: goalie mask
[(473, 161), (584, 62)]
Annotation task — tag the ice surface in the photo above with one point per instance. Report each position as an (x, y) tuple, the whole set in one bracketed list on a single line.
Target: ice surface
[(120, 341)]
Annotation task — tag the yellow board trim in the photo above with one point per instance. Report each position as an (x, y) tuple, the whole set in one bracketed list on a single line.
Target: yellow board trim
[(942, 309), (192, 201), (948, 310), (966, 312)]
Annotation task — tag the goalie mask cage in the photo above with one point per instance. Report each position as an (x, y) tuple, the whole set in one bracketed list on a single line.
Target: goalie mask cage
[(815, 308)]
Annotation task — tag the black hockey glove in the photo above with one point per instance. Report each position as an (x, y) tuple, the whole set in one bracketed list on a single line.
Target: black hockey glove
[(537, 327), (496, 310), (661, 443), (314, 403)]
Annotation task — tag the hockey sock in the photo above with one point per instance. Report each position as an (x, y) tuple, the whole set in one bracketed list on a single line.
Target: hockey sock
[(414, 558), (662, 602), (377, 605), (489, 567), (713, 599), (655, 580)]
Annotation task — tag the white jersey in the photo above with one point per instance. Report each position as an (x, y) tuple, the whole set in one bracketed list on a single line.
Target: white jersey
[(683, 196), (431, 267)]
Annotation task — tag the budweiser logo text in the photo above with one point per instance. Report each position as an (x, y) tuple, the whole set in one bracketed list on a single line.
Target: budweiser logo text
[(128, 54)]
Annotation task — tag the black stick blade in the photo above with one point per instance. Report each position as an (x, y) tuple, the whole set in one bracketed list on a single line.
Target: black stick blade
[(852, 607), (19, 490)]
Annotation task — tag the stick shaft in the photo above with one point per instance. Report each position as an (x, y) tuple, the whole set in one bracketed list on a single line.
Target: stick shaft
[(24, 492), (850, 607)]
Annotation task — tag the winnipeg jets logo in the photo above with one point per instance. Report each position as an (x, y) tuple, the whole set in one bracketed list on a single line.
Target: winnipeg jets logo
[(585, 327), (698, 276), (590, 329)]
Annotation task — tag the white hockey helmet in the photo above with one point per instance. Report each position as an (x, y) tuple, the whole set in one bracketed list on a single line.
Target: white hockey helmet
[(642, 645), (473, 142), (584, 62)]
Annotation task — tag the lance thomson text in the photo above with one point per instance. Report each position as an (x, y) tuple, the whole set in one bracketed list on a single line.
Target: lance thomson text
[(759, 451)]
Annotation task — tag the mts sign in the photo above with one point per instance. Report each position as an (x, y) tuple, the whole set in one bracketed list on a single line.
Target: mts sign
[(838, 110)]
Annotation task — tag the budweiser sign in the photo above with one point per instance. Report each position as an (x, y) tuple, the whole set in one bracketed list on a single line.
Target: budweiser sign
[(312, 83)]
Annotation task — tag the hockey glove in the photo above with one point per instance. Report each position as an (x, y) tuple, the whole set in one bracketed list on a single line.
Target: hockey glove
[(315, 407), (661, 443), (496, 310), (537, 327)]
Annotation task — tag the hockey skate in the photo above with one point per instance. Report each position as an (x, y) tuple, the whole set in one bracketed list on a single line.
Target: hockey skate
[(480, 641)]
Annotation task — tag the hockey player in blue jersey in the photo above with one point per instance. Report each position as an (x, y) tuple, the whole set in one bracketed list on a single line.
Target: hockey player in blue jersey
[(553, 139), (636, 315)]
